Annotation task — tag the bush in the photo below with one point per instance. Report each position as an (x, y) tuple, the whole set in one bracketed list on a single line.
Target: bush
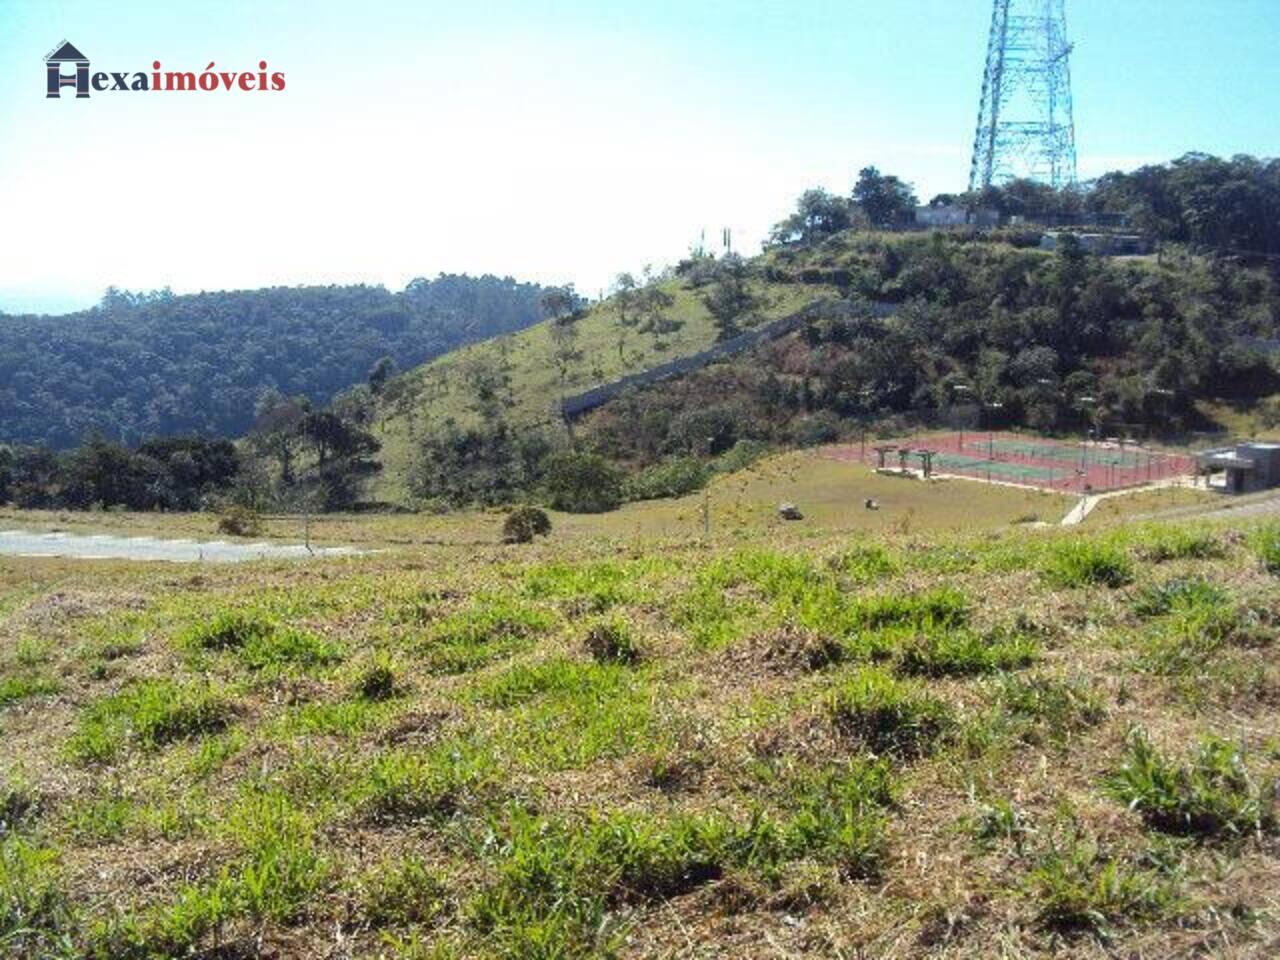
[(525, 523), (674, 478), (376, 682), (816, 429), (240, 521), (582, 483)]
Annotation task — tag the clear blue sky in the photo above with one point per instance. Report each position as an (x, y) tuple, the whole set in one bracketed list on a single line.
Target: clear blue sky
[(552, 141)]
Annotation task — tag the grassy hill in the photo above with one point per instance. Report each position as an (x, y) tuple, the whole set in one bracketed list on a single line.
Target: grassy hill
[(440, 390), (901, 744), (1054, 341)]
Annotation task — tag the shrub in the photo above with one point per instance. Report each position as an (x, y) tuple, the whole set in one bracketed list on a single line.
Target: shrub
[(740, 456), (1080, 563), (1210, 796), (240, 521), (889, 715), (582, 483), (816, 429), (673, 478), (524, 523)]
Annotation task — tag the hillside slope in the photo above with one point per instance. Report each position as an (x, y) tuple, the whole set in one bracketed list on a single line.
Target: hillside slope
[(986, 329), (521, 371), (150, 365), (890, 746)]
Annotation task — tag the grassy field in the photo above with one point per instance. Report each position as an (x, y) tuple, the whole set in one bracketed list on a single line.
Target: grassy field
[(743, 504), (444, 392), (829, 739)]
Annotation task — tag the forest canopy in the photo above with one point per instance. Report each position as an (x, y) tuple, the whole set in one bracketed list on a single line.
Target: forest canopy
[(139, 366)]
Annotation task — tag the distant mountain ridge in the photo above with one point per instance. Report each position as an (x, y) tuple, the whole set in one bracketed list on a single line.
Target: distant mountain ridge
[(139, 366)]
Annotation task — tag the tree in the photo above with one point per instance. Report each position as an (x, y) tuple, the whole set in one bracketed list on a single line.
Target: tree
[(382, 372), (625, 298), (6, 474), (564, 352), (884, 199), (652, 303), (729, 300), (275, 431), (582, 483), (560, 301), (818, 215), (489, 464), (344, 458)]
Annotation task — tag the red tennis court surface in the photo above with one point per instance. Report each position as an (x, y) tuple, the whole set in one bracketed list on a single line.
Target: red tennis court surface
[(1030, 461)]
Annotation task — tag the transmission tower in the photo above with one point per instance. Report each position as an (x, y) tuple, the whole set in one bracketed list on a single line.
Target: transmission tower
[(1025, 126)]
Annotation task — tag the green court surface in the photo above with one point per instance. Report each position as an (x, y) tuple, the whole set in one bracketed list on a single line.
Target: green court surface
[(1060, 453), (997, 469)]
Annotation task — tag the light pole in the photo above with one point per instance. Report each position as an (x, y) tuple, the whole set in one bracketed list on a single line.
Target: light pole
[(706, 498), (960, 388), (1084, 402)]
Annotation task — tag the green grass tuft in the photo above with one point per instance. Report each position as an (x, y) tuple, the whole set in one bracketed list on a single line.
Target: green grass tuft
[(402, 891), (25, 686), (401, 785), (961, 653), (151, 713), (492, 628), (612, 641), (1077, 887), (1046, 709), (1265, 543), (228, 630), (1087, 563), (1213, 795), (891, 716)]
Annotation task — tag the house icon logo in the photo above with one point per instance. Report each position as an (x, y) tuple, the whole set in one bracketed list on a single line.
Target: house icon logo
[(66, 53)]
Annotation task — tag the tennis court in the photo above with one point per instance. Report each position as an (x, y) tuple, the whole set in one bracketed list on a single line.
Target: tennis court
[(1031, 461)]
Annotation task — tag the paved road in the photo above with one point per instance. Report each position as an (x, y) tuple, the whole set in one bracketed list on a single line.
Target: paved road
[(21, 543)]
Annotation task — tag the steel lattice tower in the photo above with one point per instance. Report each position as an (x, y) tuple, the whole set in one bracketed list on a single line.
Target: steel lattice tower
[(1025, 126)]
